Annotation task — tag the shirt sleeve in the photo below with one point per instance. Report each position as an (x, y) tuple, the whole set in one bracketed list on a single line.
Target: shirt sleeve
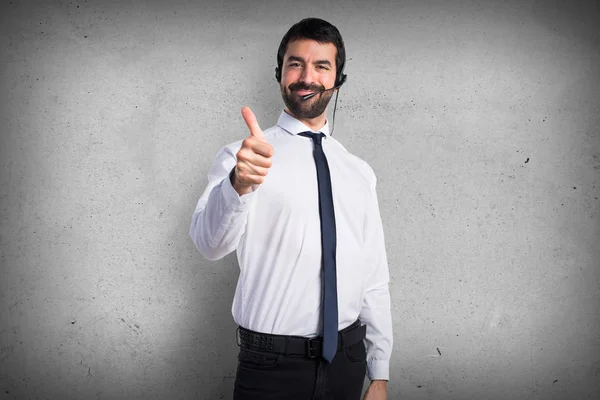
[(219, 219), (376, 307)]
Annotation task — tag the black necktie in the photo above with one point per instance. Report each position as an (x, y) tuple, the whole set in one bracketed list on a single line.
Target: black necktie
[(328, 245)]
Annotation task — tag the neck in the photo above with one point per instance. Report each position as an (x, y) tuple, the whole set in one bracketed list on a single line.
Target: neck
[(314, 124)]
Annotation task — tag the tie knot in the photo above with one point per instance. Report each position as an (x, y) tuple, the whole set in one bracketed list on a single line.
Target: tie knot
[(316, 137)]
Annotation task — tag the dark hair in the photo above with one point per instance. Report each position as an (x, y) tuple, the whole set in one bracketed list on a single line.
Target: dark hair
[(318, 30)]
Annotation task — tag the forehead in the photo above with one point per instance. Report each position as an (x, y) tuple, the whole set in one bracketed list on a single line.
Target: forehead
[(311, 49)]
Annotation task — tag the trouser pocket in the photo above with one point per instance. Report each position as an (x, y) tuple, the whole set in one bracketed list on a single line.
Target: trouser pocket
[(255, 359)]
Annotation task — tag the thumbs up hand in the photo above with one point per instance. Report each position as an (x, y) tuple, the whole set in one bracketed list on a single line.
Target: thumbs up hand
[(253, 158)]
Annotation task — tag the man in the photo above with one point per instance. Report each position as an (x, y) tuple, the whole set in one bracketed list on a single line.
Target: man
[(303, 216)]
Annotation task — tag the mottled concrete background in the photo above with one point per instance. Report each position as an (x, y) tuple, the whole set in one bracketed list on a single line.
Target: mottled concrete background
[(480, 118)]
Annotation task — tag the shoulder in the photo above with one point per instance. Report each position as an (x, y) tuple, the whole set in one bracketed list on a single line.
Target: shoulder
[(229, 149), (363, 167), (273, 132)]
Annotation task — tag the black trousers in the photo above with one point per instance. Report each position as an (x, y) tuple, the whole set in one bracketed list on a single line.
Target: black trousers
[(271, 376)]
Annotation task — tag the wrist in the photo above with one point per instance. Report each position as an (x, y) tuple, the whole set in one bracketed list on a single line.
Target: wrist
[(379, 382), (240, 189)]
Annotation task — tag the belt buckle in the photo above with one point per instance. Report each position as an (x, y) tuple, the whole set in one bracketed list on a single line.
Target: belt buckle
[(238, 340), (310, 349)]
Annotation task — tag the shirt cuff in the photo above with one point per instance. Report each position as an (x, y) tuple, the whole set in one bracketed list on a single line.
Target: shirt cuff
[(232, 197), (378, 369)]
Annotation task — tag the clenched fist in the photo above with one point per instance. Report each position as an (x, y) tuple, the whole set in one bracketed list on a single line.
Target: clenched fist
[(253, 159)]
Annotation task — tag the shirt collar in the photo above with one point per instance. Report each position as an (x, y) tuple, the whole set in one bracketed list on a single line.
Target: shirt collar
[(293, 126)]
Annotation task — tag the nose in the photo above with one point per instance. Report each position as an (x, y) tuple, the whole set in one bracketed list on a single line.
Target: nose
[(307, 75)]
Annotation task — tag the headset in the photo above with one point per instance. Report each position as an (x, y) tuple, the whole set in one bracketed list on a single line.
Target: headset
[(340, 79)]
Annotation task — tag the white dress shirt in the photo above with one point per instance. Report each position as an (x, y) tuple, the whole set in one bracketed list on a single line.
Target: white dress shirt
[(277, 234)]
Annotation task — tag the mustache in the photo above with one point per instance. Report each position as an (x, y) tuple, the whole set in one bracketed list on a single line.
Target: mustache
[(303, 86)]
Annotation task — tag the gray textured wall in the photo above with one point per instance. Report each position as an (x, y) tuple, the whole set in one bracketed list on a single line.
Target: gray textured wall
[(480, 119)]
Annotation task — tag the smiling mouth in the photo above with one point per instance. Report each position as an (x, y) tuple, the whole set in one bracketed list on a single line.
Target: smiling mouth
[(304, 92)]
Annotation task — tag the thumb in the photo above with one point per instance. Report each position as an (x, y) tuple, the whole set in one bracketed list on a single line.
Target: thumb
[(250, 119)]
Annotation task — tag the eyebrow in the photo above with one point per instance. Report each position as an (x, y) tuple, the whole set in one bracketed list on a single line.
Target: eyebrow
[(296, 58)]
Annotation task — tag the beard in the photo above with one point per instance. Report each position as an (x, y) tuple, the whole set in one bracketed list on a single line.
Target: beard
[(309, 108)]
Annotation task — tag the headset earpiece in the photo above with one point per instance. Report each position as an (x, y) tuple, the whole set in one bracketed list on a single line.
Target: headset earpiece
[(342, 80), (277, 74)]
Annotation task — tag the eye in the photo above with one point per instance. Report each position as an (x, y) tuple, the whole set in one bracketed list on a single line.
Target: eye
[(294, 64), (323, 67)]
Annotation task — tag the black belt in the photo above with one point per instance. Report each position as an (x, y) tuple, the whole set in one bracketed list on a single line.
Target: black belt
[(297, 345)]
